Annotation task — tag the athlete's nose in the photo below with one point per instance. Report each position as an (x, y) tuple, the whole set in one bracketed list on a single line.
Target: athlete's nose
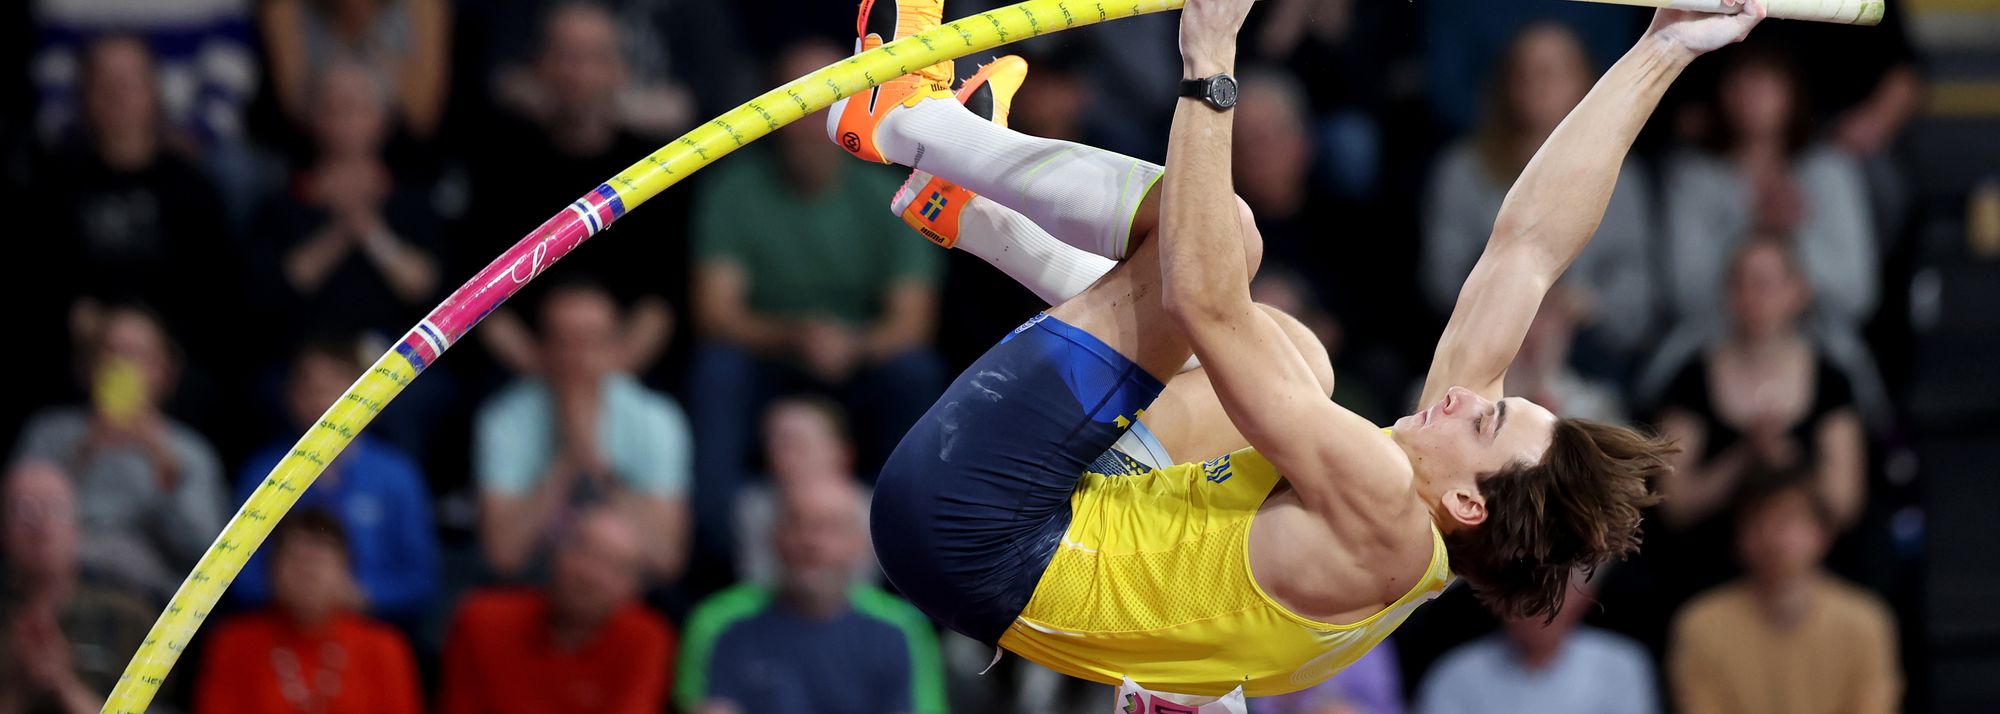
[(1457, 399)]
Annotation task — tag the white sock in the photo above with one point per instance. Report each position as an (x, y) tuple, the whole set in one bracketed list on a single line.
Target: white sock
[(1053, 270), (1083, 195)]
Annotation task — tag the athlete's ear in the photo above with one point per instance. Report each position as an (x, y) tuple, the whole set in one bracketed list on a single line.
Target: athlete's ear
[(1466, 506)]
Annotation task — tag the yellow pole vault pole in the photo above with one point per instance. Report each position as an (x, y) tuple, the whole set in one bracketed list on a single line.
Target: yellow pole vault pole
[(533, 255)]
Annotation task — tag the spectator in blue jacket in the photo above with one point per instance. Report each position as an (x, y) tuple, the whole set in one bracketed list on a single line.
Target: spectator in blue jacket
[(376, 491)]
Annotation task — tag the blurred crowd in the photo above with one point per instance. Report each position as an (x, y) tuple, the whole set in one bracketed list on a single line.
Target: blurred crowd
[(643, 485)]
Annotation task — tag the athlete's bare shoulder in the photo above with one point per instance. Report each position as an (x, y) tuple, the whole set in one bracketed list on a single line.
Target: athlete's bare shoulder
[(1341, 560)]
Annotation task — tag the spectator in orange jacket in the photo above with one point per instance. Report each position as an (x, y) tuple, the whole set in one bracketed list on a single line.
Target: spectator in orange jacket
[(311, 651), (581, 644)]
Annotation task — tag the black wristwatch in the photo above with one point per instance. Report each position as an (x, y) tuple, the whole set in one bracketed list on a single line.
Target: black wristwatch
[(1218, 91)]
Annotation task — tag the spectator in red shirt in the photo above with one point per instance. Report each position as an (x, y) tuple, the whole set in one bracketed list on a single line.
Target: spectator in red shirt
[(581, 644), (311, 651)]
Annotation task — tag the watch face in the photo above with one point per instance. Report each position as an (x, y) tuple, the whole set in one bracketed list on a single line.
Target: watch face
[(1222, 91)]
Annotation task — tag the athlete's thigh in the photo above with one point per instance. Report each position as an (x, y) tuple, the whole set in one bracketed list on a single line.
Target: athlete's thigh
[(1124, 310), (1189, 422)]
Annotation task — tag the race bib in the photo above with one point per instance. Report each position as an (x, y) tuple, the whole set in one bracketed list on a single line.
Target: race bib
[(1134, 699)]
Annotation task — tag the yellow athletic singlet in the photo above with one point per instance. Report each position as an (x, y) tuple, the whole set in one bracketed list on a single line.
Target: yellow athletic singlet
[(1152, 581)]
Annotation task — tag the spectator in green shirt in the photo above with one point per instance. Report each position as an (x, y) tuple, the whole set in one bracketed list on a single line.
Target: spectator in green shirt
[(804, 281)]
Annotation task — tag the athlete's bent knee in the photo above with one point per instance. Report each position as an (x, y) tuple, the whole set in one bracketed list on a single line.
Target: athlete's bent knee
[(1253, 239), (1309, 346)]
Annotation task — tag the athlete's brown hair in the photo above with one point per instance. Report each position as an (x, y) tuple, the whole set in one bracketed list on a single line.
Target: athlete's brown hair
[(1574, 510)]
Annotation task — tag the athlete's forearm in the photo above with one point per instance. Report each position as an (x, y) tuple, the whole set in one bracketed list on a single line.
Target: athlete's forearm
[(1559, 199), (1201, 252)]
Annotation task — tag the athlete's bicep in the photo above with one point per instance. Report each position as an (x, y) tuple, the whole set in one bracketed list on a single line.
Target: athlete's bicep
[(1488, 322)]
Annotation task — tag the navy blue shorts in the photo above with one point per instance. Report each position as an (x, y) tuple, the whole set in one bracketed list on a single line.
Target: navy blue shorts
[(970, 508)]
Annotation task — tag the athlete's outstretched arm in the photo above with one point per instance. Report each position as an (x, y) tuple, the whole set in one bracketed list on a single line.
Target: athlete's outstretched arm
[(1336, 460), (1556, 204)]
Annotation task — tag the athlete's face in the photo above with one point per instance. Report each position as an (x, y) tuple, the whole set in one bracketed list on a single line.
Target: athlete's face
[(1463, 436)]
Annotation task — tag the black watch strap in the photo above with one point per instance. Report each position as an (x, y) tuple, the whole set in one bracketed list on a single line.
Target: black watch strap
[(1218, 91)]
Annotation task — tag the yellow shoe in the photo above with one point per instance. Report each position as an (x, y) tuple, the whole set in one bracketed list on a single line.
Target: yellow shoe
[(912, 17), (855, 128), (931, 205), (1001, 80)]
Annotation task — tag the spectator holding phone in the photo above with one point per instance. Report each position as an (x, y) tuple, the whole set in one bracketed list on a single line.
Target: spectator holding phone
[(149, 489)]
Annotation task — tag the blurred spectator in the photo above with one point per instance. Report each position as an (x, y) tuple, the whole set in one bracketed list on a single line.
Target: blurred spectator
[(816, 642), (1301, 224), (1542, 372), (1130, 67), (654, 38), (585, 431), (150, 489), (375, 491), (1868, 85), (1068, 99), (1463, 39), (555, 156), (1789, 637), (976, 684), (1054, 104), (805, 440), (1555, 665), (352, 246), (1285, 289), (202, 48), (582, 643), (806, 280), (1372, 685), (406, 44), (1867, 82), (1760, 172), (1273, 157), (63, 640), (1543, 75), (312, 652), (1763, 397), (1347, 54), (135, 218), (207, 71)]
